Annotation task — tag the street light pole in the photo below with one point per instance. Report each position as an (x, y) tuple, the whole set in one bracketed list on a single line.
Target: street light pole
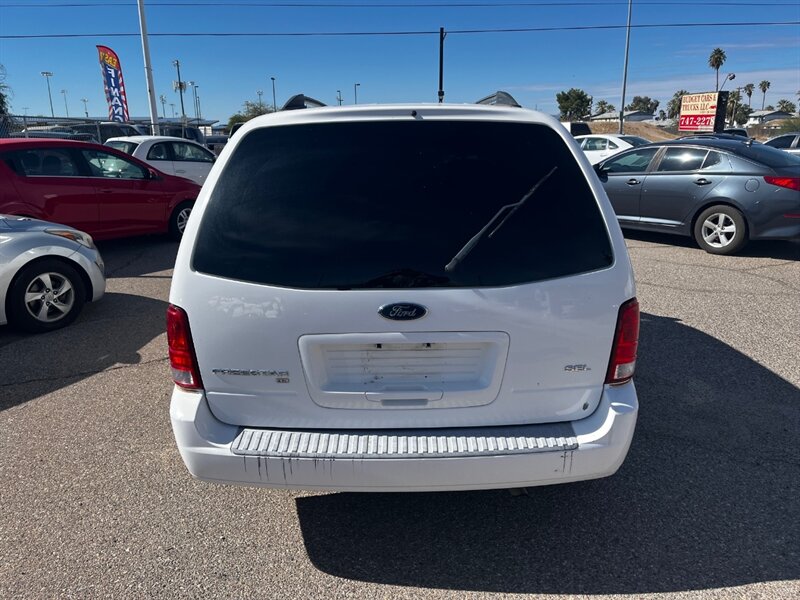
[(194, 96), (172, 104), (66, 108), (355, 91), (148, 71), (728, 77), (625, 69), (199, 112), (85, 106), (260, 93), (339, 97), (47, 75), (163, 99), (274, 103)]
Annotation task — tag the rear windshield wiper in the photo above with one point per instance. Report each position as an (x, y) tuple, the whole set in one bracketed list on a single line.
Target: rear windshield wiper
[(477, 237), (404, 278)]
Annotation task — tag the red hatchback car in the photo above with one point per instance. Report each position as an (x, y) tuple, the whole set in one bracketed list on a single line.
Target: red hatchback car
[(93, 188)]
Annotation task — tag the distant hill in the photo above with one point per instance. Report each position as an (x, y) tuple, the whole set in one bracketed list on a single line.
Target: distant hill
[(645, 130)]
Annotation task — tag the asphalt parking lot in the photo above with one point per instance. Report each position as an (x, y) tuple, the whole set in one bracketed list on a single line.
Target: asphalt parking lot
[(95, 501)]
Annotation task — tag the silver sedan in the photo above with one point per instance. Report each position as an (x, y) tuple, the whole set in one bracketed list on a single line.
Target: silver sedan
[(47, 273)]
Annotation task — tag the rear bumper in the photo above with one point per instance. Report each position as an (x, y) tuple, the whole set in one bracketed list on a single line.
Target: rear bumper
[(597, 447)]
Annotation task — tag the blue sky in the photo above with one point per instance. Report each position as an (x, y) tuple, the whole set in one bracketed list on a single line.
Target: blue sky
[(533, 66)]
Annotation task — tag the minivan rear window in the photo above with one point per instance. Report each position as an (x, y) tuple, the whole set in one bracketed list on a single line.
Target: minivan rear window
[(390, 204)]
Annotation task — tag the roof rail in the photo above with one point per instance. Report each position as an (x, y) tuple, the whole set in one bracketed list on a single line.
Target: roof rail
[(301, 101), (500, 98)]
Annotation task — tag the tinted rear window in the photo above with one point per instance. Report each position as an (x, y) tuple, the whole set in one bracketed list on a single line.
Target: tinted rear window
[(768, 156), (389, 205)]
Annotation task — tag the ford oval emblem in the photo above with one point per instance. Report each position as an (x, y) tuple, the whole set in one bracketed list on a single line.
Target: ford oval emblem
[(402, 311)]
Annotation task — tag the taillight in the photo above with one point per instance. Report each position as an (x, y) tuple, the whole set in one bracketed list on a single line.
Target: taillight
[(182, 359), (626, 340), (793, 183)]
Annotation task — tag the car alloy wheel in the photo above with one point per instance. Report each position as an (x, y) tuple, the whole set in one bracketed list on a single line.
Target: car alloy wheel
[(49, 297), (182, 218), (718, 230)]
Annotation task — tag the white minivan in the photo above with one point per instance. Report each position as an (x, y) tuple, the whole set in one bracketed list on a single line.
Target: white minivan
[(403, 298)]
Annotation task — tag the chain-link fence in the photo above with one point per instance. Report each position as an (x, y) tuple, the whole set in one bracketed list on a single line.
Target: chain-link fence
[(88, 130), (96, 130)]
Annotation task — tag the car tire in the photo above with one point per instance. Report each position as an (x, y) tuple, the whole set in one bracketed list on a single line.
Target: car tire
[(178, 219), (720, 229), (61, 296)]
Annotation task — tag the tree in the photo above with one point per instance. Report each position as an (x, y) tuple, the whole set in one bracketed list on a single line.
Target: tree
[(5, 92), (674, 105), (574, 104), (769, 107), (603, 107), (748, 89), (662, 116), (786, 106), (763, 86), (734, 100), (251, 110), (742, 114), (716, 60), (644, 104)]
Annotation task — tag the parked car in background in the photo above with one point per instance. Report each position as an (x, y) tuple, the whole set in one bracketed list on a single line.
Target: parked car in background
[(216, 143), (172, 155), (377, 299), (598, 147), (740, 131), (109, 130), (47, 273), (722, 192), (788, 142), (577, 128), (186, 132), (92, 188)]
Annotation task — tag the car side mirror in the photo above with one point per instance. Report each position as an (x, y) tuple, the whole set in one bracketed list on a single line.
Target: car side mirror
[(152, 174), (601, 171)]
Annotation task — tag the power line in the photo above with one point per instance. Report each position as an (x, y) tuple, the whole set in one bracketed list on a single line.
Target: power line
[(351, 5), (395, 33)]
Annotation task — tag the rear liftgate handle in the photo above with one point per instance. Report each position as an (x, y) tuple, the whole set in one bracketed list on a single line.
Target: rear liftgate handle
[(419, 397)]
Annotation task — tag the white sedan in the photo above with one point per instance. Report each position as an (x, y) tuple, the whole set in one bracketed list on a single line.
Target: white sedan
[(599, 147), (171, 155)]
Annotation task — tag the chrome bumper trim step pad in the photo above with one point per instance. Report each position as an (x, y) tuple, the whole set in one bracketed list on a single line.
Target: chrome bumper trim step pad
[(419, 443)]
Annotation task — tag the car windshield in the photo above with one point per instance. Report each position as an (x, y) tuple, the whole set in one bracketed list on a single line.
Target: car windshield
[(126, 147), (634, 140), (767, 155), (377, 205)]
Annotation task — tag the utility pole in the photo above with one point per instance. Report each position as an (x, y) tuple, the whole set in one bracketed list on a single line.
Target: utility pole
[(66, 107), (47, 75), (625, 69), (442, 35), (260, 93), (163, 99), (85, 106), (274, 104), (355, 91), (148, 70), (172, 104)]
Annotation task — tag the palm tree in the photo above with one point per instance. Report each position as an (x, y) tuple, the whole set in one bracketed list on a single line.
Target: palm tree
[(786, 106), (674, 105), (748, 89), (716, 60), (763, 86)]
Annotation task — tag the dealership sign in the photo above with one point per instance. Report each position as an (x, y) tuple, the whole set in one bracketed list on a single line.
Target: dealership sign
[(703, 112), (113, 84)]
